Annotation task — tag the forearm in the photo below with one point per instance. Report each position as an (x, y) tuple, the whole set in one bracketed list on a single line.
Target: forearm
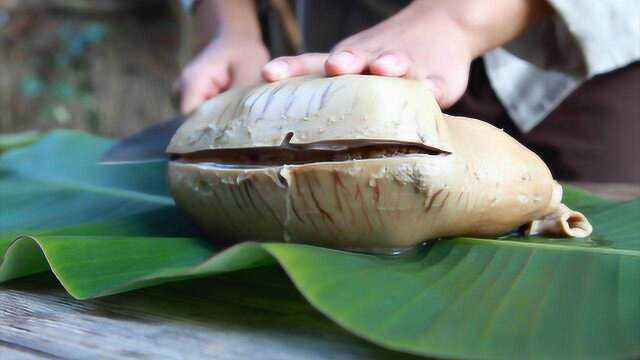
[(485, 24), (224, 18)]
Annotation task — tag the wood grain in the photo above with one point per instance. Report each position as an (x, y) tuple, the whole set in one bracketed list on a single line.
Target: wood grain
[(232, 316)]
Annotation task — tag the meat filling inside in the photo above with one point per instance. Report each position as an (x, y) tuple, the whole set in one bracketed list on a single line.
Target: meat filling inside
[(325, 151)]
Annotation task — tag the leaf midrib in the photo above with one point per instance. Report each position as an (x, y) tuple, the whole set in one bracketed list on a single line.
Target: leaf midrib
[(560, 247)]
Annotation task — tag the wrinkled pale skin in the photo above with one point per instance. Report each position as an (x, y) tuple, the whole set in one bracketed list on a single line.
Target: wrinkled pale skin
[(489, 184)]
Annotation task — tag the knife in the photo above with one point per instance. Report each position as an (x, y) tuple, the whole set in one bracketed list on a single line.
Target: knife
[(148, 145)]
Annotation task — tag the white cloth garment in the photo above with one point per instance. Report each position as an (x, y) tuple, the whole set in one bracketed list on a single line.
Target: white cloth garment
[(534, 73)]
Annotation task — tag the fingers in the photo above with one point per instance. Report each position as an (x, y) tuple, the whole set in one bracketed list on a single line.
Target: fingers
[(435, 85), (447, 80), (195, 94), (346, 62), (342, 62), (289, 66), (449, 90), (198, 84), (391, 63)]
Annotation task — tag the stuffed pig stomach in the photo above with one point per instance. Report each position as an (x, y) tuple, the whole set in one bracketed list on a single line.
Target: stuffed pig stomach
[(357, 162)]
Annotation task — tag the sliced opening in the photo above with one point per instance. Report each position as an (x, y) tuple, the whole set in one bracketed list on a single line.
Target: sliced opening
[(321, 151)]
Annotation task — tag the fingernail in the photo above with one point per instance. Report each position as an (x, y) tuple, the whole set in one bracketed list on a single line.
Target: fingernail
[(389, 61), (342, 58), (277, 69)]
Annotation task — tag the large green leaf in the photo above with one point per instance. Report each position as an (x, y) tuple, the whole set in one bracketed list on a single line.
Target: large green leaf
[(104, 230), (14, 140)]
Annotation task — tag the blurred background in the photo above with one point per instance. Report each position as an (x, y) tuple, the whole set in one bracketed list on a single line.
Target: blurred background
[(102, 66)]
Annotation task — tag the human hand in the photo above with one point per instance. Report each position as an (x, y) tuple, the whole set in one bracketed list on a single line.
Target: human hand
[(224, 63), (233, 56), (431, 41)]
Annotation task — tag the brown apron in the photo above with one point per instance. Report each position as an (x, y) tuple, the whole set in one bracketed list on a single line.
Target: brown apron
[(594, 135)]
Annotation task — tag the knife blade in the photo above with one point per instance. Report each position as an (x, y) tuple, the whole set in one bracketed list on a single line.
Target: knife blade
[(148, 145)]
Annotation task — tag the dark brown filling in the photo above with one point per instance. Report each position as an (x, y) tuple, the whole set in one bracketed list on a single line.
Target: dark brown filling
[(322, 151)]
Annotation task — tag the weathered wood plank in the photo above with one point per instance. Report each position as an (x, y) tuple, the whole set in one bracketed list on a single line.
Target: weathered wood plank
[(250, 314), (9, 351)]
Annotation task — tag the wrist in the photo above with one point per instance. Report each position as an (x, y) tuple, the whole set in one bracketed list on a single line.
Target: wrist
[(223, 19), (483, 25)]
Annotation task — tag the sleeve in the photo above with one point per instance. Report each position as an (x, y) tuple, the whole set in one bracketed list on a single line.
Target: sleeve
[(534, 73), (607, 32)]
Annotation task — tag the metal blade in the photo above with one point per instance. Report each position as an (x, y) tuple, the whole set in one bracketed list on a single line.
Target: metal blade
[(147, 145)]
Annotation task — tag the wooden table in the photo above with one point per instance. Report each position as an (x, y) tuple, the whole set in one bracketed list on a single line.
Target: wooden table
[(214, 318)]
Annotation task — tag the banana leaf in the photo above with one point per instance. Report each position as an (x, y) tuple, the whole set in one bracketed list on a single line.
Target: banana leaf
[(8, 141), (107, 229)]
